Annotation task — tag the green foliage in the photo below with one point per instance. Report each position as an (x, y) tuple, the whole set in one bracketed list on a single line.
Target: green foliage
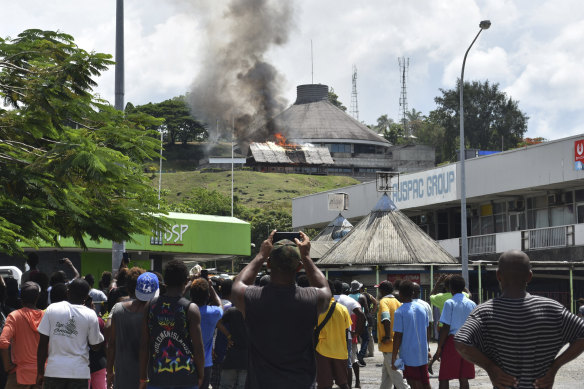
[(179, 124), (489, 115), (70, 164), (206, 202), (334, 99)]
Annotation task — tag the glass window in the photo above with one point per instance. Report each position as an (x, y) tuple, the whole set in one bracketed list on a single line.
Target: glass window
[(500, 223), (580, 210), (487, 225), (579, 195)]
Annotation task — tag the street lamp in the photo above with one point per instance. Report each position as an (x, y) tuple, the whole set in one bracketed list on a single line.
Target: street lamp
[(485, 24)]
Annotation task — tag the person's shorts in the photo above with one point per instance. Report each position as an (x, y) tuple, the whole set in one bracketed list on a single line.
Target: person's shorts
[(417, 373), (329, 369), (452, 365)]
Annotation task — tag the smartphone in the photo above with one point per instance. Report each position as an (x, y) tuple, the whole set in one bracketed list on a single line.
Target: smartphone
[(286, 235), (205, 274), (62, 260)]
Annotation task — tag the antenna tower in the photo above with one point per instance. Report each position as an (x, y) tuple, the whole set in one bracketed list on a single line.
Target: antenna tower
[(404, 64), (354, 102)]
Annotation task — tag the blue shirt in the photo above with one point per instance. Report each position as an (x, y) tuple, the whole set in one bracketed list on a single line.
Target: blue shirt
[(455, 312), (412, 321), (210, 315)]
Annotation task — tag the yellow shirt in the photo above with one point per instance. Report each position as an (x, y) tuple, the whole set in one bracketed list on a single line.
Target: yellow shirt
[(389, 305), (332, 340)]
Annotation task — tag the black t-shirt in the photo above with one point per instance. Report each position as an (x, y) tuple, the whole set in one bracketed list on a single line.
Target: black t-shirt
[(280, 321), (236, 356)]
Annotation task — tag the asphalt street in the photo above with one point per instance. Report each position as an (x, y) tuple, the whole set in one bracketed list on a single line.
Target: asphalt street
[(571, 376)]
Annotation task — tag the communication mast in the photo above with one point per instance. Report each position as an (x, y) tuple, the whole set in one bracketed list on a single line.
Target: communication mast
[(404, 64), (354, 102)]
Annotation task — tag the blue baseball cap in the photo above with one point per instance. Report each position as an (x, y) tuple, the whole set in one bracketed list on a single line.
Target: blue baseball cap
[(147, 286)]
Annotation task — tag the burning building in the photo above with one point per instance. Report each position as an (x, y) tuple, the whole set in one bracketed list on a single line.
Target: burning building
[(283, 157), (312, 125)]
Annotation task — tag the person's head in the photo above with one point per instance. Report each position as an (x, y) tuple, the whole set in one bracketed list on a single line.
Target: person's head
[(58, 293), (176, 274), (90, 280), (338, 284), (226, 286), (29, 293), (356, 286), (514, 271), (346, 288), (406, 290), (106, 280), (161, 284), (302, 281), (122, 277), (132, 278), (447, 284), (146, 286), (457, 283), (58, 277), (265, 280), (385, 288), (284, 259), (580, 302), (195, 271), (200, 291), (40, 278), (396, 285), (32, 260), (417, 290), (78, 291)]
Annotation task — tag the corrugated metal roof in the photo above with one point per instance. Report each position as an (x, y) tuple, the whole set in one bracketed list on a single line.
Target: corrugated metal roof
[(386, 237), (270, 152), (329, 236)]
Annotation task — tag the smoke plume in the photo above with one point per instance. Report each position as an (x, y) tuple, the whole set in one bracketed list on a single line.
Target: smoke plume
[(236, 83)]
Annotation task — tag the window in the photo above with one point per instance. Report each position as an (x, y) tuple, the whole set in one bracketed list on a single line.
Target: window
[(364, 149), (339, 147)]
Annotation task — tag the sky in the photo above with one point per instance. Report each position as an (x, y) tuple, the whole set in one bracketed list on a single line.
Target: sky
[(533, 50)]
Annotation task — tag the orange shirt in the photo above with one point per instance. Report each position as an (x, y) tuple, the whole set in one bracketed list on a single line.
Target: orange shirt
[(20, 331)]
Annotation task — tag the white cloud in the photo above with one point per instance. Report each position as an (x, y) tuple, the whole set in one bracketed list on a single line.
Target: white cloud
[(532, 50)]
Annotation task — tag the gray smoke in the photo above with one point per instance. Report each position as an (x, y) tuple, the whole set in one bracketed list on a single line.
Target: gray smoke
[(236, 83)]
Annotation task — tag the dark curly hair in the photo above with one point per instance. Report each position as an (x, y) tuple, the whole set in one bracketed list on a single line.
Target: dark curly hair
[(175, 273)]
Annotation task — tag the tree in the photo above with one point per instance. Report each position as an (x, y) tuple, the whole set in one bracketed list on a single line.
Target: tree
[(178, 124), (334, 99), (206, 202), (70, 164), (489, 117)]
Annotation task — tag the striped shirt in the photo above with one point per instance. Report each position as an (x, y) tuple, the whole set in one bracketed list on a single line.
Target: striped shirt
[(522, 336)]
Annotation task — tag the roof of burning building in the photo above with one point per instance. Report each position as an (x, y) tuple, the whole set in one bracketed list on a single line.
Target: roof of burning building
[(313, 118), (270, 152), (386, 237)]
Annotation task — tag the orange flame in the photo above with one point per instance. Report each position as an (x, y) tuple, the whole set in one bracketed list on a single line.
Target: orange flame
[(282, 141)]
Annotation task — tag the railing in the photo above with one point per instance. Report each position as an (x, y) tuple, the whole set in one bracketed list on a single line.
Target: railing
[(482, 244), (548, 237)]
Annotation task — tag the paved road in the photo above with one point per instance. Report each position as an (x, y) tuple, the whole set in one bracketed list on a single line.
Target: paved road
[(571, 376)]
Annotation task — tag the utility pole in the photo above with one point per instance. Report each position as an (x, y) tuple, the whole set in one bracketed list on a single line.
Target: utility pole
[(118, 248)]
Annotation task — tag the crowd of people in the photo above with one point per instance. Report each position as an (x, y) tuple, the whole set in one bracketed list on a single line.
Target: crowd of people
[(183, 329)]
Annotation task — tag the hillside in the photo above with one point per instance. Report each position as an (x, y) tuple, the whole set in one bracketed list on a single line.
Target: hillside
[(254, 189)]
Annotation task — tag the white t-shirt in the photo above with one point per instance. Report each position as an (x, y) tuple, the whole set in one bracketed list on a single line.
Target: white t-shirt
[(348, 302), (427, 307), (71, 328)]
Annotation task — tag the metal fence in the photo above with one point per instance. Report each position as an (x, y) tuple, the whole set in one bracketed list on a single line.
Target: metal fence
[(482, 244), (548, 237)]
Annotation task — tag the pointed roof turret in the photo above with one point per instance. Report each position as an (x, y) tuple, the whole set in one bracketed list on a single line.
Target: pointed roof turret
[(386, 237), (329, 236)]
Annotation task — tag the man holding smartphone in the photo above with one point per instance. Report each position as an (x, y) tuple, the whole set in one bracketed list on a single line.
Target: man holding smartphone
[(281, 316)]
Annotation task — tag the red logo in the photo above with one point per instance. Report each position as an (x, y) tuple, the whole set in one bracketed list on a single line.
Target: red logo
[(579, 150)]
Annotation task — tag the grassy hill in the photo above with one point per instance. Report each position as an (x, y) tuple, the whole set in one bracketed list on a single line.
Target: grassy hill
[(254, 189)]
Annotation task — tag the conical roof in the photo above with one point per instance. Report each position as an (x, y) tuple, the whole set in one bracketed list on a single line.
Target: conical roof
[(386, 237), (329, 236), (312, 119)]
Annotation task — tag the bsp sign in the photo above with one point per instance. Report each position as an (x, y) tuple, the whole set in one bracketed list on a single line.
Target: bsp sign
[(170, 237), (426, 187)]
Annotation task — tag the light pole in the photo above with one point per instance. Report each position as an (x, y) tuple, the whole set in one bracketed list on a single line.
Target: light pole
[(485, 24)]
